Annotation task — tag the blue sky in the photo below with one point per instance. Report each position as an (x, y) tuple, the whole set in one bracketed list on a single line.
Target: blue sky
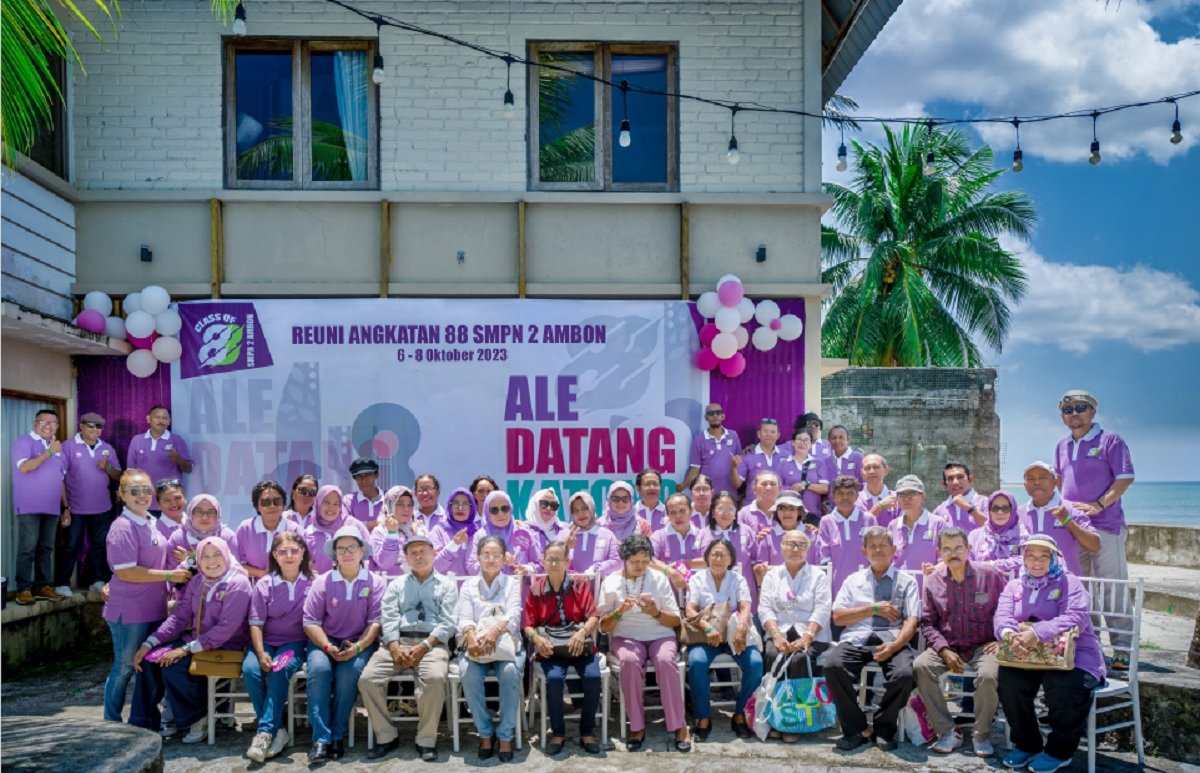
[(1114, 263)]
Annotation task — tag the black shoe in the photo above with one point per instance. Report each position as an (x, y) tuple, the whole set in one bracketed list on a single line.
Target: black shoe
[(885, 744), (486, 754), (635, 744), (318, 753), (849, 743), (382, 750), (702, 733), (427, 753), (337, 749), (554, 747), (740, 729), (591, 747), (503, 755)]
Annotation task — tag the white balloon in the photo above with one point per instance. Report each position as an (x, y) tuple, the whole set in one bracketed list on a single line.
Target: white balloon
[(743, 337), (132, 302), (114, 327), (765, 339), (98, 301), (168, 323), (745, 309), (139, 324), (155, 299), (708, 304), (725, 278), (727, 320), (792, 327), (724, 345), (766, 311), (166, 349), (141, 363)]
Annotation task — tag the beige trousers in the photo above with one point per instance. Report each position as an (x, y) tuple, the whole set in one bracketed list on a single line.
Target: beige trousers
[(430, 676), (928, 669)]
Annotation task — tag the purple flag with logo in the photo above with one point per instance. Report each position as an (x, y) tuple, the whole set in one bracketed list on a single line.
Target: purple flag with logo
[(221, 337)]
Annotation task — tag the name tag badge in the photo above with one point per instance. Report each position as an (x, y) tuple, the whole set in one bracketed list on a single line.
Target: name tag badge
[(929, 535), (365, 592), (981, 598), (849, 465), (1094, 453), (170, 446)]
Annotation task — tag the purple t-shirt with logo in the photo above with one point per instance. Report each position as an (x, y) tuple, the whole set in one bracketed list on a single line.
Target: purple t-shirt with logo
[(713, 457), (253, 540), (841, 543), (134, 541), (917, 545), (278, 606), (344, 609), (154, 456), (1088, 467), (38, 491), (365, 510), (87, 484)]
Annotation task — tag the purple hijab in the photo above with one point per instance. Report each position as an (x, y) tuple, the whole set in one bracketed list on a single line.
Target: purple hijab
[(1003, 538), (621, 525), (319, 523), (453, 526)]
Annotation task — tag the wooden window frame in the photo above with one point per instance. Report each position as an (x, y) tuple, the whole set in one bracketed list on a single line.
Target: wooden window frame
[(301, 50), (602, 53)]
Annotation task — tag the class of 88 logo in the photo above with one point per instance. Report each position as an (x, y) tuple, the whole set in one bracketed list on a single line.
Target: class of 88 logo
[(222, 344)]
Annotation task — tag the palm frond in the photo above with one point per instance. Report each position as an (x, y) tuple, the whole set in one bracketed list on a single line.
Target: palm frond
[(570, 158)]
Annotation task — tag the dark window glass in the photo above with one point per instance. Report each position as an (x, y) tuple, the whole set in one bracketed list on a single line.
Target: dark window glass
[(567, 119), (339, 115), (49, 147), (645, 160), (265, 141)]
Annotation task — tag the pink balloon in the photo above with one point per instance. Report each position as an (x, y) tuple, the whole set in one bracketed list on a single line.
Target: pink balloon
[(91, 321), (734, 366), (730, 293), (708, 333), (777, 324), (706, 360), (142, 343)]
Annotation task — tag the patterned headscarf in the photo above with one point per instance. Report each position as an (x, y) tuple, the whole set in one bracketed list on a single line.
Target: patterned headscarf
[(190, 526)]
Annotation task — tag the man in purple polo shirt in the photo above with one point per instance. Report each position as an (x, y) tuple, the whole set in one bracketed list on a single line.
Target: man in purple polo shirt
[(764, 456), (37, 493), (160, 453), (365, 503), (89, 465), (962, 507), (712, 452), (812, 422), (1094, 470), (1047, 512), (842, 459)]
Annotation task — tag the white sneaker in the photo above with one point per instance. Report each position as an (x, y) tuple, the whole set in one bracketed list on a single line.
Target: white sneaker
[(96, 587), (281, 741), (64, 590), (948, 742), (983, 747), (258, 747), (198, 732)]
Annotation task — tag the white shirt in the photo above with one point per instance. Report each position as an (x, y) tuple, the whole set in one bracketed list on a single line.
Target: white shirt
[(859, 590), (636, 624), (703, 591), (794, 602), (477, 600)]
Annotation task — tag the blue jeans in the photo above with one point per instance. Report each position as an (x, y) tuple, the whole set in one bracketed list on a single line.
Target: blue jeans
[(508, 674), (329, 679), (96, 526), (699, 658), (147, 690), (268, 692), (556, 670)]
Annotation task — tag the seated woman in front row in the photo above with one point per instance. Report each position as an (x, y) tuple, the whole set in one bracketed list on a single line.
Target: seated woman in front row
[(211, 615), (639, 610)]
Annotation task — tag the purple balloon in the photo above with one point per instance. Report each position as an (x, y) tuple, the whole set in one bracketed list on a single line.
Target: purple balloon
[(776, 324), (734, 366), (706, 360), (730, 292), (708, 333), (91, 321), (142, 343)]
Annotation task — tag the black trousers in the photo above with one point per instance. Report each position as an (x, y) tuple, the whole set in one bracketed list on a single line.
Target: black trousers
[(798, 668), (844, 665), (1068, 696)]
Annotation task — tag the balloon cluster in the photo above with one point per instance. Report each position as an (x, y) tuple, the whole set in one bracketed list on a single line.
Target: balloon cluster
[(150, 324), (722, 340)]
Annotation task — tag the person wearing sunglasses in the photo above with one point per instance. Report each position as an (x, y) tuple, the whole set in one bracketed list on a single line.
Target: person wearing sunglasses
[(304, 496), (137, 598), (764, 456), (1094, 470), (523, 555), (999, 540), (37, 493), (342, 616), (541, 517), (277, 640), (327, 519), (160, 453), (619, 517), (90, 464), (255, 535), (454, 536), (711, 453)]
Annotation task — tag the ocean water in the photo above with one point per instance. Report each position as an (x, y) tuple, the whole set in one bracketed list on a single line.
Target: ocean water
[(1166, 504)]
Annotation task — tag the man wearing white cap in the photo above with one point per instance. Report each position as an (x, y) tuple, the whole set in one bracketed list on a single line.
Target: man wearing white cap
[(1094, 470), (1047, 512)]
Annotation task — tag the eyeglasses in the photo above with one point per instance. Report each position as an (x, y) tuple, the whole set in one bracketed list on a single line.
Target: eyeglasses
[(288, 552), (961, 549), (725, 509), (500, 509), (1000, 509), (460, 505), (347, 550), (620, 498), (1076, 408), (206, 512), (714, 413), (794, 546), (92, 425), (546, 504), (270, 502), (139, 491), (163, 485), (308, 492), (701, 490)]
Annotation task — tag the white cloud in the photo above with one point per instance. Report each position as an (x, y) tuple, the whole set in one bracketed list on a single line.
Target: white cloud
[(1080, 307), (1021, 57)]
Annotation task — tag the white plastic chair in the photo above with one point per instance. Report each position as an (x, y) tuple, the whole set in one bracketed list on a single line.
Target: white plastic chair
[(1120, 617), (538, 699), (457, 699), (614, 666), (222, 689)]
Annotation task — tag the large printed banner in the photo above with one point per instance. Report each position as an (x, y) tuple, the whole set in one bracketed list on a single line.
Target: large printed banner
[(570, 395)]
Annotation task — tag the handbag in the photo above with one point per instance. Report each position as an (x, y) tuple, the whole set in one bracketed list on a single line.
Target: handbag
[(224, 664), (560, 635), (715, 616), (798, 705), (1058, 654), (753, 637), (506, 646)]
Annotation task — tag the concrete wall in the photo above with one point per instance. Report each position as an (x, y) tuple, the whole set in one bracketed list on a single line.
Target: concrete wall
[(919, 418), (1164, 546), (37, 370), (41, 634)]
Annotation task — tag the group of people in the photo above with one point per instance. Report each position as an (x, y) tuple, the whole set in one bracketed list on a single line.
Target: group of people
[(822, 560)]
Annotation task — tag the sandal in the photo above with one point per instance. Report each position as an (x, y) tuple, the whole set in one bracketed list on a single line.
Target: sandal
[(683, 744), (791, 738), (635, 744)]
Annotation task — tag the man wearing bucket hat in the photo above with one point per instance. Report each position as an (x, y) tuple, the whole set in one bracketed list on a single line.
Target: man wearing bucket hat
[(418, 621), (1094, 469)]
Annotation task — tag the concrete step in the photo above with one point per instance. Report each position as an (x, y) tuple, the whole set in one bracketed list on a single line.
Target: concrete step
[(1169, 589)]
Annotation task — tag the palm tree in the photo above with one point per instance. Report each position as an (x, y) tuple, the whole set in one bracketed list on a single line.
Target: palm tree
[(917, 269)]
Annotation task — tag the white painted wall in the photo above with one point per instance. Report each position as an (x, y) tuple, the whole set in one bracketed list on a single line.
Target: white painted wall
[(38, 245)]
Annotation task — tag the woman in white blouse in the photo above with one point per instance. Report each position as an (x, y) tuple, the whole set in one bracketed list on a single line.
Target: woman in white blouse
[(794, 605), (638, 609), (489, 622), (714, 585)]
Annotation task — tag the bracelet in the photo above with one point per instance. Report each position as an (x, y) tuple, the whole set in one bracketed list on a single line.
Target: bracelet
[(326, 647), (1068, 518), (168, 575), (709, 629), (357, 648), (615, 615), (875, 609)]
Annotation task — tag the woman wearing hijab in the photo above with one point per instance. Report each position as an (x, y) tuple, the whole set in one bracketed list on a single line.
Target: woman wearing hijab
[(541, 518), (999, 539), (396, 525), (594, 549), (327, 518), (454, 535), (1041, 602), (210, 616), (523, 555), (201, 520), (619, 517)]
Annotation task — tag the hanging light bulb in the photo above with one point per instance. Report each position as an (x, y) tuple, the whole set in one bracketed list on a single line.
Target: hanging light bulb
[(377, 73), (731, 155), (1094, 158), (929, 167), (1176, 128), (625, 138), (1018, 163), (510, 104), (841, 157), (239, 21)]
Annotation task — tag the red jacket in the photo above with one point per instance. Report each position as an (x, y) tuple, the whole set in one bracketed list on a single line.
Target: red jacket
[(541, 606)]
